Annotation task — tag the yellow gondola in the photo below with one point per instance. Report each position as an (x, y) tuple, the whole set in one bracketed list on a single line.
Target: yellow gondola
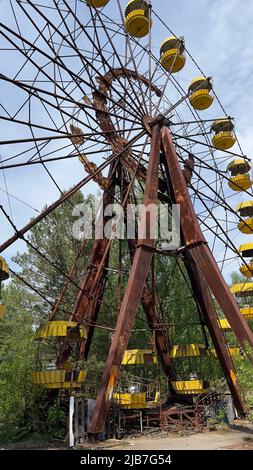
[(59, 378), (224, 324), (60, 328), (53, 372), (189, 350), (240, 182), (197, 350), (247, 269), (240, 166), (200, 97), (240, 179), (224, 137), (172, 54), (97, 3), (246, 250), (190, 387), (136, 399), (130, 400), (138, 357), (234, 352), (246, 226), (245, 209), (243, 289), (247, 312), (137, 18)]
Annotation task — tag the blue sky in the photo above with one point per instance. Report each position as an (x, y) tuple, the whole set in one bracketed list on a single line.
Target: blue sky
[(218, 33)]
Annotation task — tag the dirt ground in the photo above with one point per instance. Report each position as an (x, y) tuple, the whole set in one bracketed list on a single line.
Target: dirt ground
[(209, 440), (235, 438), (238, 437)]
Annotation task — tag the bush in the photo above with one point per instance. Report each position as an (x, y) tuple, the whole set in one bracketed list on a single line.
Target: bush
[(56, 421)]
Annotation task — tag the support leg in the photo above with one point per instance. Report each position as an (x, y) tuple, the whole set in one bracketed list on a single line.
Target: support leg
[(131, 299), (88, 301), (204, 299), (200, 252)]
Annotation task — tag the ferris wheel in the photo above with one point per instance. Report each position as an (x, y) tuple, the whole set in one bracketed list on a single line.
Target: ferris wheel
[(89, 95)]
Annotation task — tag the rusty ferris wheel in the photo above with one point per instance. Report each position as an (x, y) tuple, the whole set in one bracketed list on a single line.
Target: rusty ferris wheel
[(90, 88)]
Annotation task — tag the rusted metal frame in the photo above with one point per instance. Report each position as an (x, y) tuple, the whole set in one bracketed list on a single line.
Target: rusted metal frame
[(148, 303), (104, 60), (132, 296), (71, 274), (200, 252), (96, 281), (86, 307), (128, 46), (88, 301), (203, 298), (210, 270), (103, 114), (64, 38), (150, 310), (181, 418), (36, 92), (66, 195)]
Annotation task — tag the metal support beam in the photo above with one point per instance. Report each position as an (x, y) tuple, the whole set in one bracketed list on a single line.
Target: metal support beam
[(203, 297), (132, 296), (21, 232), (71, 275), (197, 245), (150, 310), (89, 298)]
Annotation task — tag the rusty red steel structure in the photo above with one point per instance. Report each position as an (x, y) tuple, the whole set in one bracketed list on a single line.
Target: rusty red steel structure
[(88, 302), (134, 289), (202, 269), (200, 252), (205, 277), (203, 297), (71, 276)]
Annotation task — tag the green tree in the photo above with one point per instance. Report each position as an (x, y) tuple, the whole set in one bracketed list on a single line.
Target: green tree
[(21, 404), (16, 359)]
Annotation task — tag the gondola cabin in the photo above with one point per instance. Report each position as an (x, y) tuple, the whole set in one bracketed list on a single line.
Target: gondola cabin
[(244, 289), (246, 250), (137, 18), (4, 270), (240, 177), (247, 269), (200, 93), (172, 56), (245, 209), (58, 363), (224, 137), (137, 394)]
